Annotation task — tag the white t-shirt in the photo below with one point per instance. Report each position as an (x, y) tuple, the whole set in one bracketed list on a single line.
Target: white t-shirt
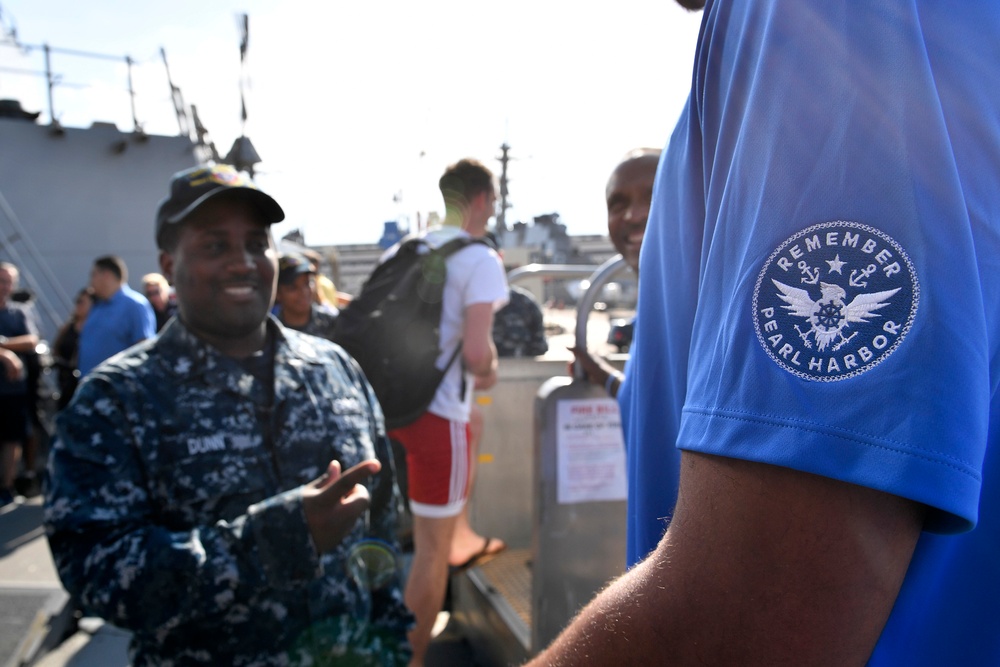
[(475, 275)]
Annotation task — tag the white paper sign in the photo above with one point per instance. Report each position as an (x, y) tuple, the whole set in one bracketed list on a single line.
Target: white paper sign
[(590, 451)]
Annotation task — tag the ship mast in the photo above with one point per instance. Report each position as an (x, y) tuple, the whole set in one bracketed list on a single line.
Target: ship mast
[(243, 155), (504, 158)]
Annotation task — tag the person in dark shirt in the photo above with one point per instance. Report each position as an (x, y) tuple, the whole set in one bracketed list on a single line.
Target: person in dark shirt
[(628, 194), (157, 291), (297, 308), (17, 336), (66, 345), (519, 327)]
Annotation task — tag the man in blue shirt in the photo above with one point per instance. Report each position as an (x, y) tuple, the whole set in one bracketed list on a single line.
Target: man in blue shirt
[(818, 334), (120, 317)]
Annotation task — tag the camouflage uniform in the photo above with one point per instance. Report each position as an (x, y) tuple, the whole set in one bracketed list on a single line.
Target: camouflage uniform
[(321, 322), (518, 328), (169, 515)]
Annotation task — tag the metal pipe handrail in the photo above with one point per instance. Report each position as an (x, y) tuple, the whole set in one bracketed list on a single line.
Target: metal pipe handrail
[(599, 277), (558, 270)]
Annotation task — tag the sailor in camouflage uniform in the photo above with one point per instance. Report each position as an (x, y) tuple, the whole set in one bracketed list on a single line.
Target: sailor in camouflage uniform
[(196, 494), (518, 327), (297, 308)]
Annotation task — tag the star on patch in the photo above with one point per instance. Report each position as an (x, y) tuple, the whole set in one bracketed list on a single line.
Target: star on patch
[(843, 326)]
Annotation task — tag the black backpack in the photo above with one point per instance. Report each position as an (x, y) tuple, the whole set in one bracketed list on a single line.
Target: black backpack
[(393, 328)]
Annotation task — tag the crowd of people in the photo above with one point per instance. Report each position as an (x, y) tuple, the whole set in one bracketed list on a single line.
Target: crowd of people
[(220, 468), (182, 452), (809, 409)]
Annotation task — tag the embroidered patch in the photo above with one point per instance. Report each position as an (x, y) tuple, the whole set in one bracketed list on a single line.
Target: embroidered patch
[(835, 300)]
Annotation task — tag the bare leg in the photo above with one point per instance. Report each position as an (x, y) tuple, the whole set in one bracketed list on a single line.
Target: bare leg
[(30, 449), (428, 579), (467, 542), (10, 456)]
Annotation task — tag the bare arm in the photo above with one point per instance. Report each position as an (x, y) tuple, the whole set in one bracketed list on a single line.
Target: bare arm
[(597, 370), (478, 351), (22, 343), (761, 566), (11, 365)]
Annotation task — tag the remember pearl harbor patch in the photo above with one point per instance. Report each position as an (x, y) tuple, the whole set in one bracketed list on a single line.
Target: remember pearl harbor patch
[(834, 300)]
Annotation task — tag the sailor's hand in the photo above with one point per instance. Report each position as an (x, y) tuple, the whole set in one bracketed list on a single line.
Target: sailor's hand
[(596, 370), (333, 503)]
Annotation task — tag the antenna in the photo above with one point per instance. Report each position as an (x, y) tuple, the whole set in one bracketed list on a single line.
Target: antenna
[(177, 98), (243, 25), (8, 28), (136, 125), (242, 155), (504, 158), (207, 147)]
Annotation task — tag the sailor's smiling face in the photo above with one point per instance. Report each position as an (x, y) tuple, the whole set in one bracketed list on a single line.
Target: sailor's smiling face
[(223, 267)]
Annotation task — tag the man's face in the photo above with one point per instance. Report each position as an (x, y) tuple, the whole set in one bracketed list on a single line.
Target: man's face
[(483, 208), (103, 282), (296, 298), (223, 271), (81, 307), (629, 193), (154, 292), (8, 283)]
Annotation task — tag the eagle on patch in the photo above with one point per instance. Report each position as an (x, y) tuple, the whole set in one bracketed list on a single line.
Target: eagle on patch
[(829, 315)]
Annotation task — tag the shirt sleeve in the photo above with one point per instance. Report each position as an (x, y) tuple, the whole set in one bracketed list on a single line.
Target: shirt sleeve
[(488, 281), (145, 322), (22, 324), (839, 281)]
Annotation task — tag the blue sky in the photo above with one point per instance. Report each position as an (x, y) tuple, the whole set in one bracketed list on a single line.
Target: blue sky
[(353, 105)]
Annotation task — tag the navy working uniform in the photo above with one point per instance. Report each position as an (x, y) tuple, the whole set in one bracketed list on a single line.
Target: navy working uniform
[(322, 322), (169, 470), (519, 327)]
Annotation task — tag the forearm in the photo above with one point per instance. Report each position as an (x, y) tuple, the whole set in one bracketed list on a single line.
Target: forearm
[(23, 343), (599, 371), (142, 576), (486, 381), (480, 360), (130, 560), (479, 354), (761, 565), (621, 626)]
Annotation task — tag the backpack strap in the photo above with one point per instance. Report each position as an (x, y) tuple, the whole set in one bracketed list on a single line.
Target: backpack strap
[(445, 250)]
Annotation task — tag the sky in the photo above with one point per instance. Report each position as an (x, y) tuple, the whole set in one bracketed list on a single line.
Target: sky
[(357, 108)]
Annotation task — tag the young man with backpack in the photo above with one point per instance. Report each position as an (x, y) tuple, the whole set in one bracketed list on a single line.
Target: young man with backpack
[(437, 443)]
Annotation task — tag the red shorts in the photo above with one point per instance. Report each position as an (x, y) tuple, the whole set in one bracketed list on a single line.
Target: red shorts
[(437, 463)]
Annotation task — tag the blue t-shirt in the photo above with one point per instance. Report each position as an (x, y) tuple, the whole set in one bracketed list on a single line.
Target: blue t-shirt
[(820, 284), (114, 325)]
